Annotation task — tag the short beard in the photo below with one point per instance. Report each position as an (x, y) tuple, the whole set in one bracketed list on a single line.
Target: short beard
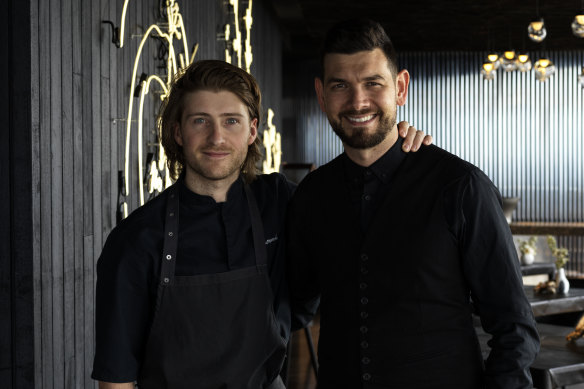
[(361, 140)]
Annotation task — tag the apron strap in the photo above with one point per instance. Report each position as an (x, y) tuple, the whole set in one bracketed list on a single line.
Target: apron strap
[(169, 249), (257, 228), (170, 237)]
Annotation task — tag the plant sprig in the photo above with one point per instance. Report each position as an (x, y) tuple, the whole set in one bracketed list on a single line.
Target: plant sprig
[(560, 253)]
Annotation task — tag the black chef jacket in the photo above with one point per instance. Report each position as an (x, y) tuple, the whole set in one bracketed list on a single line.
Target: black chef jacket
[(213, 238), (395, 301)]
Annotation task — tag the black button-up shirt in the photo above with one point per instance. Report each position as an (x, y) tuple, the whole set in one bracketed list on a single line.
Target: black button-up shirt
[(213, 238), (368, 185), (395, 277)]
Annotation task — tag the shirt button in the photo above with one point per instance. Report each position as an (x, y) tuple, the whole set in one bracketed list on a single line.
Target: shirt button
[(364, 315), (365, 360), (367, 172), (364, 300), (363, 329), (364, 257), (367, 197), (364, 270), (364, 344), (366, 376), (363, 285)]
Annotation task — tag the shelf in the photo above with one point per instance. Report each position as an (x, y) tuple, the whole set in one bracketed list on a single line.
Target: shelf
[(544, 228)]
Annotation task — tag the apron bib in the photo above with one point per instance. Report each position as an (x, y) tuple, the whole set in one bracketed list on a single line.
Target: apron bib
[(213, 331)]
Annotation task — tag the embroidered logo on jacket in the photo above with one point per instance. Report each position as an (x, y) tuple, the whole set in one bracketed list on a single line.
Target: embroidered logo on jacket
[(271, 240)]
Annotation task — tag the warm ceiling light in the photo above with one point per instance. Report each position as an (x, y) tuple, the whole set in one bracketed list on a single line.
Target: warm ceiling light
[(544, 69), (493, 58), (523, 63), (508, 62), (509, 54), (536, 31), (578, 26), (488, 71)]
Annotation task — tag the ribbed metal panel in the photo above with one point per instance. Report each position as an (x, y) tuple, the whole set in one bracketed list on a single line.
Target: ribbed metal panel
[(527, 136)]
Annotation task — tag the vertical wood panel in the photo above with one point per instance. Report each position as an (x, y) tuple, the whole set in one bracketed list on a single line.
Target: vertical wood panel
[(56, 188), (46, 333), (77, 205)]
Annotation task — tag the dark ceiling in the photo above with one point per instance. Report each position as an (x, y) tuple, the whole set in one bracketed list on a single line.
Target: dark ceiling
[(436, 25)]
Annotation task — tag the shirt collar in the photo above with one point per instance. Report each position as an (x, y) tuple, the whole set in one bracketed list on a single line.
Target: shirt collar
[(383, 169), (235, 191)]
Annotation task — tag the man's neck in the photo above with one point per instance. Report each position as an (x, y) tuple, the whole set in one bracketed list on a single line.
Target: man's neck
[(366, 157), (217, 189)]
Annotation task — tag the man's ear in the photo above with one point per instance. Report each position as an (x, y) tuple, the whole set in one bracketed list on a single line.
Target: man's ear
[(319, 88), (177, 134), (253, 131), (402, 81)]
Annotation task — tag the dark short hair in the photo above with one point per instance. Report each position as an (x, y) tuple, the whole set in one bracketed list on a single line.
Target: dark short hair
[(212, 75), (354, 35)]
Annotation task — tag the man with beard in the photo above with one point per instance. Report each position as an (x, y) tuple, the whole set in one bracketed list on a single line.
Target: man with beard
[(399, 249), (191, 288)]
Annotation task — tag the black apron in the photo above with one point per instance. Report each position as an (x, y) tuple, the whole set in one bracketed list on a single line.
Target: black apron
[(213, 331)]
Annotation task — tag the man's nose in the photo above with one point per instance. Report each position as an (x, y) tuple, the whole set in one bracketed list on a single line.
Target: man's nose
[(359, 99), (216, 135)]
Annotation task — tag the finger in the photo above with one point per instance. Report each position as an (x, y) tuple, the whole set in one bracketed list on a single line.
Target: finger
[(402, 128), (409, 139), (417, 140), (428, 140)]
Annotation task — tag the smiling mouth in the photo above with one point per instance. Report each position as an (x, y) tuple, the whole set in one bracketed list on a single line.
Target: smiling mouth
[(360, 119)]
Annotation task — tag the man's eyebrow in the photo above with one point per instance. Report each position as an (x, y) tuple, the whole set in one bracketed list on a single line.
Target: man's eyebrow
[(207, 115), (368, 78), (374, 77), (334, 80)]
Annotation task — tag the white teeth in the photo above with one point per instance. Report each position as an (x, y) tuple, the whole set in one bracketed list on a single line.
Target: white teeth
[(361, 119)]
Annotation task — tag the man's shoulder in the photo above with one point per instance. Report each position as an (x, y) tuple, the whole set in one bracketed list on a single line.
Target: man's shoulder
[(435, 160), (145, 217), (323, 176), (273, 186)]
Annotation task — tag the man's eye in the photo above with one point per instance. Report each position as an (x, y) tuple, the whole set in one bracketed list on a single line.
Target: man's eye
[(198, 120), (338, 86), (232, 121), (373, 83)]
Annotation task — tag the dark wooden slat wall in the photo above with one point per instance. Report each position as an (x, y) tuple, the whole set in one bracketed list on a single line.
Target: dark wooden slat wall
[(16, 199), (73, 148), (5, 206)]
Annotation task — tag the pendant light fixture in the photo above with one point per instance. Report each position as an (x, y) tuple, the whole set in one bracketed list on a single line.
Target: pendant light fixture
[(536, 30), (494, 59), (509, 61), (523, 62), (578, 25), (544, 69), (488, 71)]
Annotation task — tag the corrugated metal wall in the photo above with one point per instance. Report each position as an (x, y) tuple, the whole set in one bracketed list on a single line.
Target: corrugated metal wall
[(527, 136)]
